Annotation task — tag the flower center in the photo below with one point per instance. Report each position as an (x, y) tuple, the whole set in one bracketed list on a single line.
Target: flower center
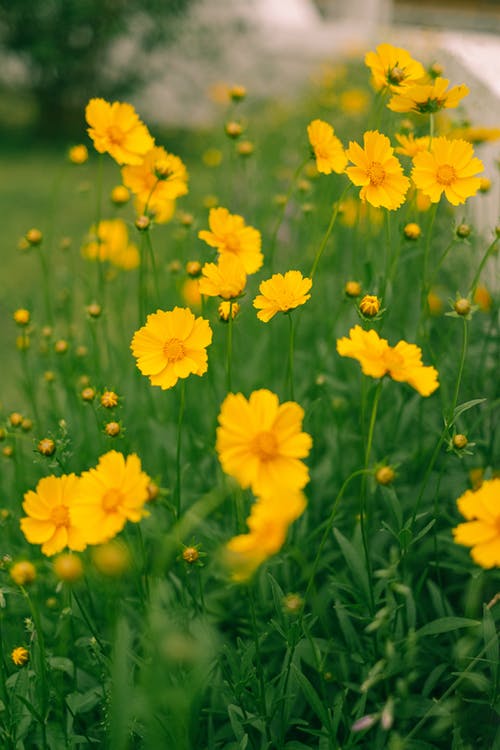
[(446, 174), (376, 173), (265, 445), (60, 516), (111, 499), (173, 349), (396, 75), (115, 134)]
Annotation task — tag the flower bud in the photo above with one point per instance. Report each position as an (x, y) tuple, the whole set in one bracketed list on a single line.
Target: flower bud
[(112, 429), (68, 567), (412, 231), (190, 555), (34, 236), (352, 288), (46, 447), (369, 306), (120, 195), (459, 441), (385, 475), (23, 572), (462, 306), (463, 231)]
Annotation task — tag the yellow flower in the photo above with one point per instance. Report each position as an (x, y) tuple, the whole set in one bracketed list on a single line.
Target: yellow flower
[(402, 362), (22, 316), (108, 496), (377, 171), (354, 101), (369, 306), (393, 67), (427, 98), (20, 656), (78, 154), (120, 195), (48, 521), (68, 567), (172, 345), (229, 234), (226, 309), (409, 145), (483, 299), (157, 181), (268, 522), (226, 279), (109, 399), (328, 150), (476, 134), (448, 167), (281, 294), (111, 559), (435, 303), (482, 530), (412, 231), (260, 442), (190, 292), (113, 245), (117, 130), (23, 572)]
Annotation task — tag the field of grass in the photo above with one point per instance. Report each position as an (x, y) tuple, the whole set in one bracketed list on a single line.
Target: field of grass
[(345, 614)]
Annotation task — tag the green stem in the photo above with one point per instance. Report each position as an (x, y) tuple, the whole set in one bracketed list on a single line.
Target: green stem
[(100, 269), (485, 257), (290, 377), (229, 346), (43, 668), (279, 221), (465, 332), (425, 281), (333, 218), (260, 669), (388, 254), (178, 480), (363, 513), (149, 246)]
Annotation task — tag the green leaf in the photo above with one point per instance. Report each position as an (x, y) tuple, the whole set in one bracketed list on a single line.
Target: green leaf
[(355, 561), (446, 625), (490, 636), (461, 408), (312, 697)]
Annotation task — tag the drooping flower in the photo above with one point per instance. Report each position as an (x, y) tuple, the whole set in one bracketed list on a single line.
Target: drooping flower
[(402, 362), (157, 181), (269, 520), (225, 279), (377, 171), (117, 130), (328, 150), (108, 496), (409, 145), (229, 234), (48, 521), (481, 508), (427, 98), (260, 442), (172, 345), (111, 243), (450, 168), (281, 293), (393, 67)]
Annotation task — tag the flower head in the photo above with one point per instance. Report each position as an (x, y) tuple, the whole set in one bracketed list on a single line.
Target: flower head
[(20, 656), (229, 234), (157, 181), (108, 496), (22, 316), (427, 98), (450, 168), (281, 293), (47, 521), (117, 130), (111, 243), (225, 279), (68, 567), (268, 522), (260, 442), (409, 145), (328, 150), (78, 154), (402, 362), (482, 530), (393, 67), (377, 171), (23, 572), (172, 345)]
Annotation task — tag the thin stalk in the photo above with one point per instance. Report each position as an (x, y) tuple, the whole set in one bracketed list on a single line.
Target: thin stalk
[(260, 669), (281, 216), (326, 237), (43, 668), (290, 377), (485, 257), (425, 282), (149, 246), (178, 480), (229, 346)]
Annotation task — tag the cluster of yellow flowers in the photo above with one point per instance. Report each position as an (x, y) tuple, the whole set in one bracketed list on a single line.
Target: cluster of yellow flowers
[(70, 511), (440, 165), (261, 444)]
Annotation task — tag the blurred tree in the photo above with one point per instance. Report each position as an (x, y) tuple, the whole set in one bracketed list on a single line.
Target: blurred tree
[(71, 50)]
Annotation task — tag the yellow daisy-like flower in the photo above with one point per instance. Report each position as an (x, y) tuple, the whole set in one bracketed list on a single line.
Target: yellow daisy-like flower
[(409, 145), (225, 279), (48, 521), (172, 345), (481, 508), (110, 495), (112, 245), (281, 294), (427, 98), (117, 130), (229, 234), (402, 362), (268, 523), (450, 168), (393, 67), (20, 656), (476, 134), (377, 171), (328, 150), (157, 181), (260, 442)]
